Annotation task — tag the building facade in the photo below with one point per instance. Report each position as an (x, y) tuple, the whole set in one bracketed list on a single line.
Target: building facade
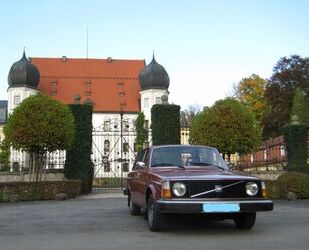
[(117, 89)]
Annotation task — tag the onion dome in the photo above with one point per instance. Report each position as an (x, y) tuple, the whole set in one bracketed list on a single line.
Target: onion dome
[(153, 76), (23, 73)]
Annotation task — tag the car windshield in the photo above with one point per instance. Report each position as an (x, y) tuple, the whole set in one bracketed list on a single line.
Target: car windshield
[(187, 156)]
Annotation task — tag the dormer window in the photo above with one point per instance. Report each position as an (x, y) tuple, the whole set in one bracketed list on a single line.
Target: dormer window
[(54, 83), (88, 84)]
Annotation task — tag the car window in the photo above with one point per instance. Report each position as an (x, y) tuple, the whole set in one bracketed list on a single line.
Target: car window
[(146, 158), (186, 156), (139, 157)]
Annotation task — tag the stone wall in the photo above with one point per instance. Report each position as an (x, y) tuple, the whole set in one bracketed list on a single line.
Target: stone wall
[(25, 177)]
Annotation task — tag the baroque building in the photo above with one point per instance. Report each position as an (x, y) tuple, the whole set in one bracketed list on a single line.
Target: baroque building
[(118, 89)]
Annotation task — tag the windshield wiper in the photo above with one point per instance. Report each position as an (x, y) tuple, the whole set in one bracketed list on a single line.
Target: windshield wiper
[(205, 164), (168, 164)]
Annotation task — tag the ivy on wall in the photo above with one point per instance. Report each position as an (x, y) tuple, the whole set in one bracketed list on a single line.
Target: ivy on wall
[(78, 164), (165, 124), (141, 132)]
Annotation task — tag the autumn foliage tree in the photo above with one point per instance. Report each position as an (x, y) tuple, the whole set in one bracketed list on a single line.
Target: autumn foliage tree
[(39, 125), (228, 125), (251, 92), (288, 74)]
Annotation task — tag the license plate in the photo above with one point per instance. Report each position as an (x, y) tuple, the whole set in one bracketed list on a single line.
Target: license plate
[(220, 207)]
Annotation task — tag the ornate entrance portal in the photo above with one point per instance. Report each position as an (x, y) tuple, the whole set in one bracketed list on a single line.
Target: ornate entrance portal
[(113, 152)]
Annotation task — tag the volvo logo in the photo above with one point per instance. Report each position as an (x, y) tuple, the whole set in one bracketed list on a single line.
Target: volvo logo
[(218, 188)]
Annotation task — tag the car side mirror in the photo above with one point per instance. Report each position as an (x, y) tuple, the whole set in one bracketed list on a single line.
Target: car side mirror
[(140, 165), (231, 166)]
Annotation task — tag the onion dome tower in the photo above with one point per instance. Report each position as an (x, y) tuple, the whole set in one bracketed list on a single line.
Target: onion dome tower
[(154, 82), (23, 80)]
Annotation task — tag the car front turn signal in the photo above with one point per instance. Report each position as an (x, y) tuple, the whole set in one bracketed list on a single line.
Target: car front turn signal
[(264, 193), (166, 190)]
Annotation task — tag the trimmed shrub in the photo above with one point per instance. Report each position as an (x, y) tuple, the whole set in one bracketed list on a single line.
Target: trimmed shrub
[(44, 190), (297, 183), (78, 164), (165, 124), (295, 139)]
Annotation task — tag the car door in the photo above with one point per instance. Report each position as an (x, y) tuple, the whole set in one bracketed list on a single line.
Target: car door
[(133, 181), (142, 181)]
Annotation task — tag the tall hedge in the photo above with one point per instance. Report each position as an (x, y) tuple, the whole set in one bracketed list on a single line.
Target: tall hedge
[(78, 164), (295, 139), (165, 124)]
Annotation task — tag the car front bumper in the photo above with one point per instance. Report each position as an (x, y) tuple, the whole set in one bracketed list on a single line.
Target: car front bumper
[(191, 206)]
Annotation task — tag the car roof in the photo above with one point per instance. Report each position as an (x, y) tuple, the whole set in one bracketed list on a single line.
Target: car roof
[(179, 145)]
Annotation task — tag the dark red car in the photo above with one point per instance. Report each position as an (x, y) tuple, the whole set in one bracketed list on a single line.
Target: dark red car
[(192, 179)]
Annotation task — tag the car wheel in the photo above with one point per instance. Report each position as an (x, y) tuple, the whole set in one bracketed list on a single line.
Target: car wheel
[(245, 220), (154, 218), (134, 209)]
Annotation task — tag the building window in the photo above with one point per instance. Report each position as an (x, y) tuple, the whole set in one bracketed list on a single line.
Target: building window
[(53, 93), (106, 146), (125, 167), (88, 93), (107, 126), (125, 147), (2, 115), (158, 100), (265, 154), (121, 94), (88, 84), (16, 99), (282, 150), (146, 102), (120, 84), (54, 83), (146, 124)]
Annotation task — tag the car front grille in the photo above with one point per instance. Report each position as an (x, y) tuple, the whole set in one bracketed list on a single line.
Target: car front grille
[(197, 189)]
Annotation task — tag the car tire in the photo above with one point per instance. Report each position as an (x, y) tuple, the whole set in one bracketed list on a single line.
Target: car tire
[(245, 220), (154, 218), (134, 209)]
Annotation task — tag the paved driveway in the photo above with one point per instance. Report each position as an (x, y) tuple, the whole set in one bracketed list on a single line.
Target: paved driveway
[(104, 223)]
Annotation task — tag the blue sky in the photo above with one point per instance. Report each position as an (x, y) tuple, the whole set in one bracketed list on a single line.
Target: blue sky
[(205, 46)]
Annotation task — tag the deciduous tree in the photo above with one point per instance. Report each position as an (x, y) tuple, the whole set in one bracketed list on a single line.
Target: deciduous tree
[(39, 125), (288, 74), (228, 125), (251, 92)]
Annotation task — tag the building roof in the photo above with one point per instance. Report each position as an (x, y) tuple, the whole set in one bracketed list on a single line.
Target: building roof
[(154, 76), (23, 73), (110, 84)]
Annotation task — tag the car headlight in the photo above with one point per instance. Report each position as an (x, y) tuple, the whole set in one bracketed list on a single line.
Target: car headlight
[(179, 189), (252, 188)]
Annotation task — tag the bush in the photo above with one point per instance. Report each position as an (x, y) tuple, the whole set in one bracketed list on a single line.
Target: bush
[(45, 190), (165, 124), (297, 183)]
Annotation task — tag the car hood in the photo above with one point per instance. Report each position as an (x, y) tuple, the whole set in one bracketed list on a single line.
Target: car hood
[(199, 173)]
